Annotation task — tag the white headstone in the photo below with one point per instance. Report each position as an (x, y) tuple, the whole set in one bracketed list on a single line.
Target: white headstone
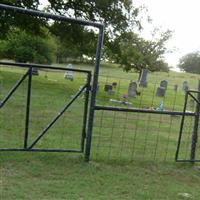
[(69, 74)]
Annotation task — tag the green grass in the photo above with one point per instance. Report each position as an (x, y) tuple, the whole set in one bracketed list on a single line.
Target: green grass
[(132, 154), (61, 176)]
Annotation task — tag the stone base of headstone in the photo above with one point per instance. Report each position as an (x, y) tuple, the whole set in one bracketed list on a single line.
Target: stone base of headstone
[(160, 92)]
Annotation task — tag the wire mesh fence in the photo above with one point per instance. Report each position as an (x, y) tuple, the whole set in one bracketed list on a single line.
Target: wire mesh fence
[(117, 135), (138, 135), (114, 91)]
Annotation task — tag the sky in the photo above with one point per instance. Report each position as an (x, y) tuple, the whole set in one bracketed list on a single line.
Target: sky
[(180, 16)]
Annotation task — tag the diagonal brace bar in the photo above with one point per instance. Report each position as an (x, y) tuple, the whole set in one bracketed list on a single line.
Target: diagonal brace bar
[(2, 103), (57, 117), (197, 100)]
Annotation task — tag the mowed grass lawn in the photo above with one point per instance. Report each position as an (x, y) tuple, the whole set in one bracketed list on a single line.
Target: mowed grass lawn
[(64, 176), (110, 174)]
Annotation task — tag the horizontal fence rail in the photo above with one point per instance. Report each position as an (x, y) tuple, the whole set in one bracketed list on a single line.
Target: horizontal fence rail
[(49, 16), (138, 110)]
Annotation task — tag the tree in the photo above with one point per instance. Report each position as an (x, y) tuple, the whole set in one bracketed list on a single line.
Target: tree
[(23, 47), (134, 52), (74, 41), (117, 15), (190, 62), (120, 17), (10, 19)]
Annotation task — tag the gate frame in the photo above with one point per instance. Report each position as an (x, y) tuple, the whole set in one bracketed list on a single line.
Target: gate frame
[(194, 137), (28, 75), (99, 45)]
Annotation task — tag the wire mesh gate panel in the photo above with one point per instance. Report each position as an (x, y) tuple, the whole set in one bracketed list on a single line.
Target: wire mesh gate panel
[(43, 112), (137, 128), (188, 148)]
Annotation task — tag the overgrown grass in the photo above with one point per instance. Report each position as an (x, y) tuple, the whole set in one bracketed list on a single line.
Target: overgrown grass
[(127, 150)]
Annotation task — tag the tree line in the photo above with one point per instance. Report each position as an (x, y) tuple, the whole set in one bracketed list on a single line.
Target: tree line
[(33, 39)]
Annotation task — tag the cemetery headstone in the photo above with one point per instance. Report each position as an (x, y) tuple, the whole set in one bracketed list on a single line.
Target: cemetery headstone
[(114, 84), (143, 78), (164, 84), (107, 88), (185, 86), (69, 74), (160, 92), (35, 71), (175, 87), (132, 89)]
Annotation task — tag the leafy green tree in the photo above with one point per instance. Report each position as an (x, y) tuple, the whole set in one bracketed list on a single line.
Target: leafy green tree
[(23, 47), (74, 41), (117, 15), (190, 62), (133, 52), (10, 19)]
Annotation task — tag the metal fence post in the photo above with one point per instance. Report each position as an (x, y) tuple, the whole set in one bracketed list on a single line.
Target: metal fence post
[(94, 91), (195, 128), (181, 126), (28, 107), (85, 115)]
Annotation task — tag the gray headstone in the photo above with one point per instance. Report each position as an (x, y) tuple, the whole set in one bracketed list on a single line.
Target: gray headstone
[(160, 92), (164, 84), (107, 88), (185, 86), (114, 84), (132, 89), (175, 87), (143, 78), (35, 71), (69, 74)]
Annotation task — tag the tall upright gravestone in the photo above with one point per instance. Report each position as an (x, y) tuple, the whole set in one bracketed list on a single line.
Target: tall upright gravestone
[(69, 74), (143, 78), (160, 92), (132, 89), (185, 86), (164, 84)]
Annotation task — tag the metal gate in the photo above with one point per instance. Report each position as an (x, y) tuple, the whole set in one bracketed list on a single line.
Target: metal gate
[(188, 148), (87, 121), (28, 68)]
